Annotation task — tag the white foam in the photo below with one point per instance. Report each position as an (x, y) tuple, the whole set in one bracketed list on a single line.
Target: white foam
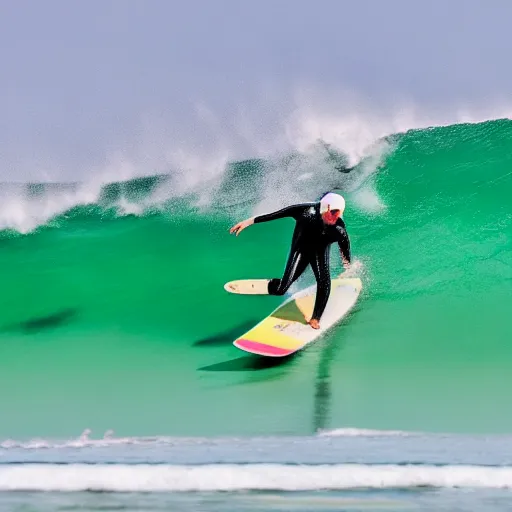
[(24, 213), (364, 432), (232, 477), (348, 122), (83, 441), (109, 439)]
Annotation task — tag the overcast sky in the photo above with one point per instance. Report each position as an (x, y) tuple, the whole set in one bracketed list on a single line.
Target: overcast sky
[(82, 79)]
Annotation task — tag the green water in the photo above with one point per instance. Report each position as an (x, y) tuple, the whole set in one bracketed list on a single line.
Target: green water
[(122, 322)]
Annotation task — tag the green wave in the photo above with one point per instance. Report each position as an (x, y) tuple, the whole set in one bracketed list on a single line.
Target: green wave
[(121, 322)]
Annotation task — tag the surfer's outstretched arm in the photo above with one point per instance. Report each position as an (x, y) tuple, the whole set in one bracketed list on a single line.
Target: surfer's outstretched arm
[(289, 211)]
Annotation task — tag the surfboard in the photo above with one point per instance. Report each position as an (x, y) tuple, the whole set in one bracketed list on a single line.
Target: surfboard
[(248, 286), (285, 330)]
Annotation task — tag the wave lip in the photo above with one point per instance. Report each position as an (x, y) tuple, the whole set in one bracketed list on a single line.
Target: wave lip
[(236, 477), (83, 441)]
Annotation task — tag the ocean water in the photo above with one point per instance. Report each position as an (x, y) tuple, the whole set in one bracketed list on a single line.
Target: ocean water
[(347, 469), (114, 318)]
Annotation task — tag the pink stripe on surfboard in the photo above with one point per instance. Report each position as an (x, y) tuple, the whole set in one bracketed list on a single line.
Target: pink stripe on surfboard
[(261, 348)]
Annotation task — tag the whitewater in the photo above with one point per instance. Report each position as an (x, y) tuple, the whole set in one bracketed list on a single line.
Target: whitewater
[(302, 154)]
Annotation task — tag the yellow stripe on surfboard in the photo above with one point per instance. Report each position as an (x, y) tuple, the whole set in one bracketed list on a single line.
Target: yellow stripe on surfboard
[(287, 328)]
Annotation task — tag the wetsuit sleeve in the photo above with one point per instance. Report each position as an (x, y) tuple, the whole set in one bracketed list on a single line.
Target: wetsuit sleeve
[(344, 242), (290, 211)]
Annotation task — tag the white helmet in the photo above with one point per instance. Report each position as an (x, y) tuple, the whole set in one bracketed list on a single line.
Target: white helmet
[(332, 201)]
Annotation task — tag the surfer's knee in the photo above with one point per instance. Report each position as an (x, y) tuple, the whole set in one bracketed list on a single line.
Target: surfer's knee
[(276, 287)]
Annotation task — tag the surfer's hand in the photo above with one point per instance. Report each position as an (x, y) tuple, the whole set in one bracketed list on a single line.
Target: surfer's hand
[(346, 268), (237, 228)]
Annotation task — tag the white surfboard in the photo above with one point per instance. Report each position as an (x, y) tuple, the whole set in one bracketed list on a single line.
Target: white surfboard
[(248, 286)]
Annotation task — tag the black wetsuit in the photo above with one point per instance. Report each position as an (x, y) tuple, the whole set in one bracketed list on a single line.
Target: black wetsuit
[(310, 245)]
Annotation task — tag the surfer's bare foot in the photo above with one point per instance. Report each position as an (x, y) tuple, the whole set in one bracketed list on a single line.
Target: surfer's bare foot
[(314, 323)]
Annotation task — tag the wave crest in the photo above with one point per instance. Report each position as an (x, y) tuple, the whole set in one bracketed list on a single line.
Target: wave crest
[(235, 477)]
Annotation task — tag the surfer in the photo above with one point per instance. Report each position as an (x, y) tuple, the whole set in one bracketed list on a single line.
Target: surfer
[(318, 225)]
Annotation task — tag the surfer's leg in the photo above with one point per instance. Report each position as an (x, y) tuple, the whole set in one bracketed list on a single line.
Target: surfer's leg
[(320, 266), (295, 266)]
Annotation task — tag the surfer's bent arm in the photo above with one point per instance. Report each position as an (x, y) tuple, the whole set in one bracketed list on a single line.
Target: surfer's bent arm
[(344, 245)]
